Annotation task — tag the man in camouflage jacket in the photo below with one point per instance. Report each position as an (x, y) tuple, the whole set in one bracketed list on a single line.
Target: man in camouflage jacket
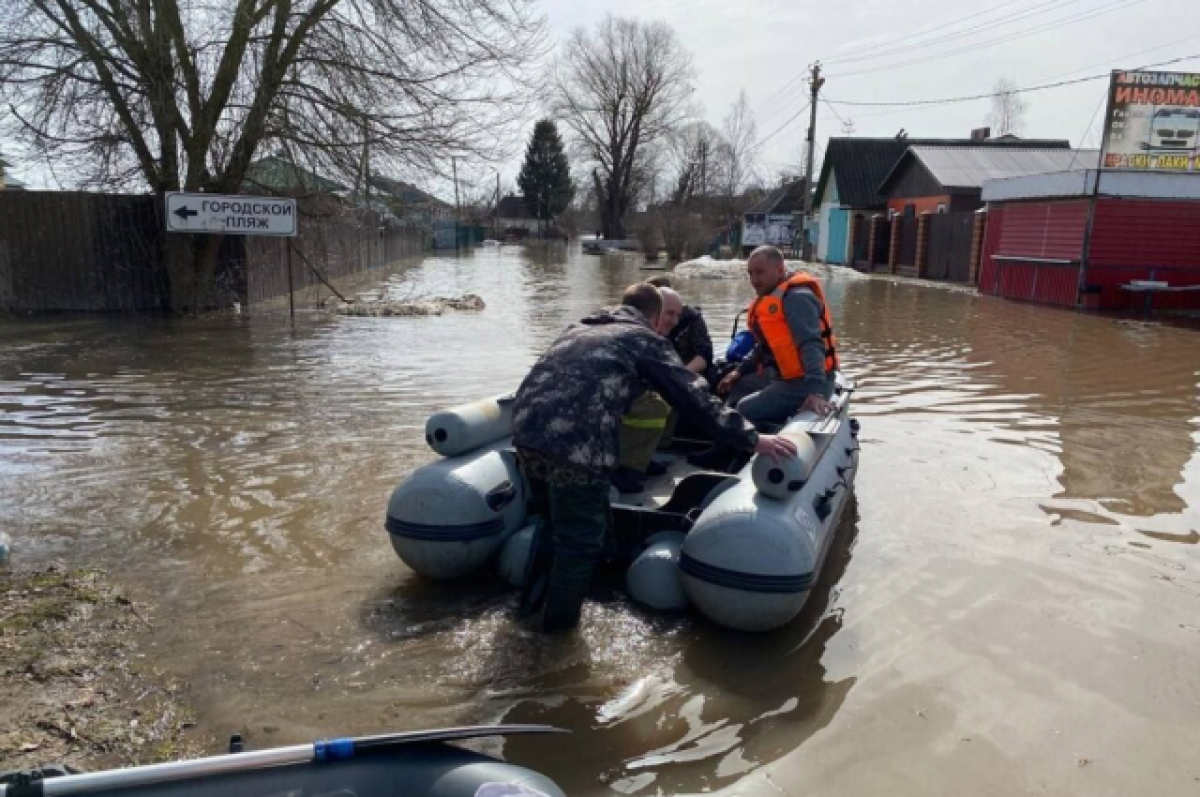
[(566, 420)]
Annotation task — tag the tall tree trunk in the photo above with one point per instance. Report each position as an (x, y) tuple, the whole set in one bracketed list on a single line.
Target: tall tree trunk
[(614, 224), (191, 265)]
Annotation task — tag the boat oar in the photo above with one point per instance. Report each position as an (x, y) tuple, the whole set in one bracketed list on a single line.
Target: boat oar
[(322, 751)]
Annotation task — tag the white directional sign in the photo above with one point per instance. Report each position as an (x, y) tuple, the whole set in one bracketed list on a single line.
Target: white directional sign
[(231, 215)]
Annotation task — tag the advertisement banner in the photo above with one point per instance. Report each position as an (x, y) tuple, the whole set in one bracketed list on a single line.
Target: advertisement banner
[(1153, 122), (774, 229)]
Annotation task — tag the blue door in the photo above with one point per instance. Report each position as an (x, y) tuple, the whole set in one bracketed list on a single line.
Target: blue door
[(839, 226)]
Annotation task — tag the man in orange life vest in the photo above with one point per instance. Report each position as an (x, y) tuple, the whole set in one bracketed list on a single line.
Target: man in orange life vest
[(795, 357)]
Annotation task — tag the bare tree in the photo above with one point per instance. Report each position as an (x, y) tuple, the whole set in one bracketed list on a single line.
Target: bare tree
[(740, 133), (182, 94), (694, 161), (621, 87), (1007, 116)]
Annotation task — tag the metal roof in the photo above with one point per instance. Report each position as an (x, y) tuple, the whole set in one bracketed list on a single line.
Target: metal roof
[(787, 198), (968, 167), (862, 163), (1130, 184)]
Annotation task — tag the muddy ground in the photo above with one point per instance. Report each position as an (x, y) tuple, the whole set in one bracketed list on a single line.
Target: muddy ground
[(74, 687)]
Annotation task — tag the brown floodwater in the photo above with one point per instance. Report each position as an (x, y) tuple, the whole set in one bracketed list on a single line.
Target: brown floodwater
[(1012, 605)]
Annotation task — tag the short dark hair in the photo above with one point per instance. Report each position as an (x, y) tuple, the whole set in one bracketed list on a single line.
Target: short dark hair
[(771, 253), (645, 298), (661, 281)]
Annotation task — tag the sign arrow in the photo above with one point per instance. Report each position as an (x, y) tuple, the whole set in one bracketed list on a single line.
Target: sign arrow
[(185, 212)]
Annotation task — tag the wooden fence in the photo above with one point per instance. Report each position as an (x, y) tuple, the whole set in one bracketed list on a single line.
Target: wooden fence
[(77, 251), (103, 252), (335, 245), (950, 242)]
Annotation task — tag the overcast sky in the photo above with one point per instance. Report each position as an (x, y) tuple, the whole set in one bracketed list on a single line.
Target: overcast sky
[(890, 51)]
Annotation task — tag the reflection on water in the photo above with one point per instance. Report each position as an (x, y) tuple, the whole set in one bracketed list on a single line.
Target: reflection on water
[(709, 706), (1029, 484)]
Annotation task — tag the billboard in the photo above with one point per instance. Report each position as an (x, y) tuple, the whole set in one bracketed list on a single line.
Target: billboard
[(767, 228), (1153, 122)]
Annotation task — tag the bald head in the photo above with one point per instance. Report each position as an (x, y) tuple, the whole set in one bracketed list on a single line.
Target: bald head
[(672, 307)]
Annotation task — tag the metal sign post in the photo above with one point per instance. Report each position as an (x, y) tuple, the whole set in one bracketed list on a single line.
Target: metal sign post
[(222, 214)]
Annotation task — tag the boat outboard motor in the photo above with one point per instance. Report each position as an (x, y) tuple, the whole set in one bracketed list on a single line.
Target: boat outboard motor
[(450, 516), (464, 428)]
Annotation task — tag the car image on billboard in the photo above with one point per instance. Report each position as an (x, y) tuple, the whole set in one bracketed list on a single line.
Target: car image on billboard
[(1173, 130)]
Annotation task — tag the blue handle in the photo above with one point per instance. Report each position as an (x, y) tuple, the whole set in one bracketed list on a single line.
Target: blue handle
[(333, 749)]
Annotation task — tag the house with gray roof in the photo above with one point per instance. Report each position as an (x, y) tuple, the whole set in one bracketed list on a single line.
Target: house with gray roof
[(854, 169), (941, 179)]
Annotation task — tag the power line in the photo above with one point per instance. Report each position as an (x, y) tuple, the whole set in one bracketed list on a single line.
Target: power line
[(1091, 122), (1043, 87), (780, 109), (835, 59), (918, 34), (1106, 62), (835, 113), (1040, 8), (779, 129), (1006, 38), (1033, 11)]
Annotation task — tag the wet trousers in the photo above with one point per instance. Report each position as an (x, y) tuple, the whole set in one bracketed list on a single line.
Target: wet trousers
[(576, 517), (761, 398)]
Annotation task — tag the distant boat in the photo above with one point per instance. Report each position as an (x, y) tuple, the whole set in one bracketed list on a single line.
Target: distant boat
[(599, 246)]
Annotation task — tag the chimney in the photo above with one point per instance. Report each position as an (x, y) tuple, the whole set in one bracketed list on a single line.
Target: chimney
[(981, 134)]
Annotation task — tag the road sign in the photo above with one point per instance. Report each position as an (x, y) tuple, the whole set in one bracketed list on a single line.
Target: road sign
[(231, 215)]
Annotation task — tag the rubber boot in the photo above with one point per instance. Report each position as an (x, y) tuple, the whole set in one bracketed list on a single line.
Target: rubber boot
[(569, 580)]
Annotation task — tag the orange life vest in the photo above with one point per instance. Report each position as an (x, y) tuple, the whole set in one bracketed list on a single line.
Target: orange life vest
[(769, 325)]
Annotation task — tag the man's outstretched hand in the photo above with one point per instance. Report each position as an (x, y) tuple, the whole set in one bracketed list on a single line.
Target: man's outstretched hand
[(817, 403), (776, 447)]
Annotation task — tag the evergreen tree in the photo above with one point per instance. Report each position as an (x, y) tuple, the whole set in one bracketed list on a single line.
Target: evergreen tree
[(545, 178)]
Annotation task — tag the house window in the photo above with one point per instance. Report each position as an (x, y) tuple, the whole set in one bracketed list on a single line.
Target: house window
[(941, 207)]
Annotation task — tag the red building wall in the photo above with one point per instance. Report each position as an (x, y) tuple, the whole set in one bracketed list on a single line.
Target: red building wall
[(1040, 231), (1142, 239), (1132, 239)]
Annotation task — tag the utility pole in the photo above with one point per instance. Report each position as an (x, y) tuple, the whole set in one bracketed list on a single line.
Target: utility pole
[(703, 168), (457, 206), (366, 163), (817, 82), (496, 215)]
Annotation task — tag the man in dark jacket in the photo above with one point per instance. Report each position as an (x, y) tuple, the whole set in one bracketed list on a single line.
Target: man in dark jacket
[(687, 332), (566, 420)]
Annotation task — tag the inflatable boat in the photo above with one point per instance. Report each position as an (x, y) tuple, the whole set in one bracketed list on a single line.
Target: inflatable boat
[(413, 764), (744, 548)]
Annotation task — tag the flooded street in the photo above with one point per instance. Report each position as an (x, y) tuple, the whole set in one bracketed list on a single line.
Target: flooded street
[(1012, 604)]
